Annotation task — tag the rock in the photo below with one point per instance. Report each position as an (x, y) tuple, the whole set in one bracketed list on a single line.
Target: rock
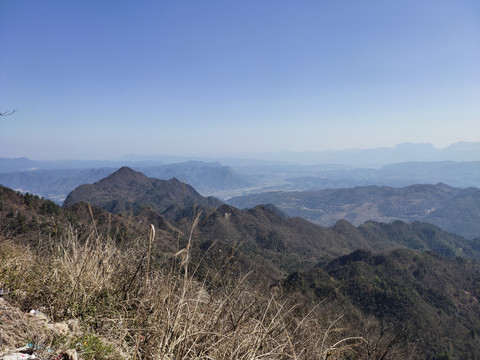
[(70, 354), (61, 328), (73, 325)]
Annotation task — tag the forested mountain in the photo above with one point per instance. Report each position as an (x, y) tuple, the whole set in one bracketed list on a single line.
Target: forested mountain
[(127, 189), (431, 301)]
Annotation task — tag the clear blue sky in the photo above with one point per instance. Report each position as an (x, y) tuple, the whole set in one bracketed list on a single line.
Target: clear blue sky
[(98, 79)]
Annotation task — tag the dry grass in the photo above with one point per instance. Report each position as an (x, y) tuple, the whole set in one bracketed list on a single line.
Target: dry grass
[(150, 305)]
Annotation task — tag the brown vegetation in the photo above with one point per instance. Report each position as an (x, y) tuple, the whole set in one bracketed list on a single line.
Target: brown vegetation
[(160, 311)]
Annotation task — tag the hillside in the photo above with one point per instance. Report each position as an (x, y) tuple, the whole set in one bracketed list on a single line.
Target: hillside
[(294, 243), (453, 209), (129, 190), (426, 302), (431, 300), (30, 219)]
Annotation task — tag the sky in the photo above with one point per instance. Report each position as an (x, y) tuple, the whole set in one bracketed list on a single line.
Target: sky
[(100, 79)]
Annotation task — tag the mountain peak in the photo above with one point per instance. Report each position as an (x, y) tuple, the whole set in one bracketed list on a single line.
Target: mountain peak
[(125, 175), (126, 171), (127, 189)]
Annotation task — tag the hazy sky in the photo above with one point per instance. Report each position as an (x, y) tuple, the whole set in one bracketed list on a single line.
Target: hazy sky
[(96, 79)]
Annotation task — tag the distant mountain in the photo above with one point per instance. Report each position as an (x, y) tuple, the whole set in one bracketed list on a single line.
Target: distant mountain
[(376, 157), (460, 174), (129, 190), (453, 209), (207, 178), (462, 151), (17, 164), (293, 177), (25, 164), (55, 184), (52, 184)]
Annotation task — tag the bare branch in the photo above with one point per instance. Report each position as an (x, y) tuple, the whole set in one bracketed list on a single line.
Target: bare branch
[(9, 112)]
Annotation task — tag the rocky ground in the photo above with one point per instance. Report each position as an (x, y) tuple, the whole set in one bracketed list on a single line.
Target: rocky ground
[(33, 336)]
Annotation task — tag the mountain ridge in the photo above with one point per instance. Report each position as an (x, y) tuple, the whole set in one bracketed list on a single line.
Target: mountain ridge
[(130, 190), (453, 209)]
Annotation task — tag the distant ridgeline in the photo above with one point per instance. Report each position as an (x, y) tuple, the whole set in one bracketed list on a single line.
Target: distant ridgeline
[(56, 183), (452, 209)]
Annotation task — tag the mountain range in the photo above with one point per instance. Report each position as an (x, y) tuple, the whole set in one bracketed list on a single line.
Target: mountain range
[(56, 184), (406, 152), (266, 229), (418, 283), (297, 190), (373, 157), (457, 165), (453, 209), (259, 233), (224, 182)]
